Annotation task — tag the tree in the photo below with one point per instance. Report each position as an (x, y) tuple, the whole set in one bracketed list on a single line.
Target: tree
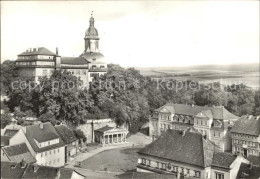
[(6, 119), (8, 73), (80, 135)]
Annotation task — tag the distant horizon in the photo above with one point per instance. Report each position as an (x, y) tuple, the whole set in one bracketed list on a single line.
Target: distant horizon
[(137, 33)]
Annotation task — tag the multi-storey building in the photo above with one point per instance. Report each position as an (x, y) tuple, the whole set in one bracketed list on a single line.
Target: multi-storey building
[(187, 154), (43, 142), (213, 122), (245, 136), (70, 140), (38, 62)]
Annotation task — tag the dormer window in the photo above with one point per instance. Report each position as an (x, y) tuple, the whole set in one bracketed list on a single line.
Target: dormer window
[(93, 59)]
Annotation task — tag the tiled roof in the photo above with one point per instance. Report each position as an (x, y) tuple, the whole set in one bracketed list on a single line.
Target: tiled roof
[(104, 129), (11, 170), (19, 152), (5, 140), (219, 112), (10, 132), (47, 133), (144, 175), (66, 134), (74, 61), (247, 125), (223, 159), (205, 113), (190, 148), (40, 51), (255, 160), (41, 172), (248, 172)]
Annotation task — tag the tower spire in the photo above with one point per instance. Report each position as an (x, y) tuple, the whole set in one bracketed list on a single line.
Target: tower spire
[(91, 20)]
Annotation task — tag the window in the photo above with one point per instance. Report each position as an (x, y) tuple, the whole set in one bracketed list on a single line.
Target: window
[(197, 174), (219, 175), (169, 126), (164, 166), (58, 150), (41, 154), (158, 164), (148, 162), (50, 151), (45, 153), (54, 151), (143, 161)]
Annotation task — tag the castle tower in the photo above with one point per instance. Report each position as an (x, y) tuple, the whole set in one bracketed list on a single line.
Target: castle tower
[(91, 37)]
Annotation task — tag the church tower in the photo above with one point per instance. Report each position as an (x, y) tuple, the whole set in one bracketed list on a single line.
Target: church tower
[(91, 37)]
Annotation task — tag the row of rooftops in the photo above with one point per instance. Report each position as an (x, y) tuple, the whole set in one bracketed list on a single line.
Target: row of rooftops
[(42, 132), (191, 148), (22, 170), (215, 112), (83, 59)]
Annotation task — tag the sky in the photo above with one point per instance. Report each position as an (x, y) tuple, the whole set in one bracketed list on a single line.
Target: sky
[(137, 33)]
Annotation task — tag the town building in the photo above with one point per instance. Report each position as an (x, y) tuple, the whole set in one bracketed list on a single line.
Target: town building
[(70, 140), (110, 135), (38, 62), (17, 153), (187, 154), (43, 142), (214, 122), (22, 170), (245, 136)]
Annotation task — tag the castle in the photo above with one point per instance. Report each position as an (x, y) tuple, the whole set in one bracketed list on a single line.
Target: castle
[(38, 62)]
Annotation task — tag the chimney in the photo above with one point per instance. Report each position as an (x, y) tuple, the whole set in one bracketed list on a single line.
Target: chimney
[(57, 51), (23, 163), (35, 168), (41, 125)]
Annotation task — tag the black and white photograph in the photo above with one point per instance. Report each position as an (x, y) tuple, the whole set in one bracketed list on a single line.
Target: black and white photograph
[(130, 89)]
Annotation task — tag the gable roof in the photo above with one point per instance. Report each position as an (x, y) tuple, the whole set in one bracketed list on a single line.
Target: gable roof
[(191, 148), (217, 112), (223, 159), (248, 172), (66, 134), (10, 132), (11, 170), (47, 133), (247, 125), (40, 51), (19, 152), (44, 172), (74, 61)]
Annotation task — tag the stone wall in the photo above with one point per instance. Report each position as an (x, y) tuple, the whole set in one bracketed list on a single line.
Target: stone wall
[(91, 125)]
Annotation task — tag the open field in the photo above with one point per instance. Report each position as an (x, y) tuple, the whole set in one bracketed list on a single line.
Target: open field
[(226, 75), (116, 160)]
